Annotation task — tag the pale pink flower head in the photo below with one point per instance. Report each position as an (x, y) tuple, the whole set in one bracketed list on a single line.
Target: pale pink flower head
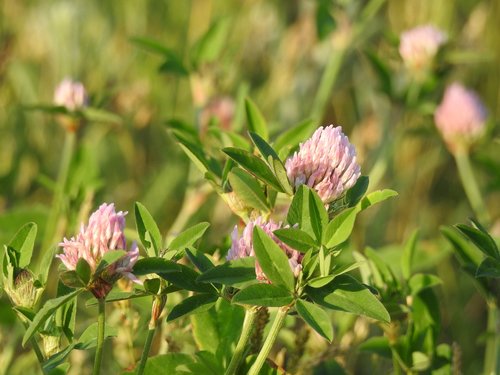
[(419, 45), (104, 233), (242, 246), (70, 94), (461, 116), (326, 162)]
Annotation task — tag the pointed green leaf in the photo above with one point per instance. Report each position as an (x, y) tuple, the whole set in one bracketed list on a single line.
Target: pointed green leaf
[(421, 281), (308, 212), (291, 138), (345, 293), (188, 237), (254, 165), (200, 260), (248, 189), (148, 230), (146, 266), (192, 305), (23, 243), (354, 194), (256, 122), (376, 197), (482, 240), (272, 259), (268, 295), (340, 228), (186, 278), (231, 273), (408, 253), (109, 258), (46, 311), (295, 238), (316, 317), (489, 268)]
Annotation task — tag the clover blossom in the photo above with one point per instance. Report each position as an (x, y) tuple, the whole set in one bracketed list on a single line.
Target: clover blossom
[(243, 246), (326, 162), (104, 233), (70, 94), (419, 45), (460, 117)]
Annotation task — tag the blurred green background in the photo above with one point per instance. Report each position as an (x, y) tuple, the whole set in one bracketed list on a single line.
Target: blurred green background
[(274, 51)]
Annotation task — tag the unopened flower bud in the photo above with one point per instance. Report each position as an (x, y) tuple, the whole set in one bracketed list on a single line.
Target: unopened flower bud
[(70, 94), (51, 344), (419, 45), (22, 290), (460, 118), (159, 302)]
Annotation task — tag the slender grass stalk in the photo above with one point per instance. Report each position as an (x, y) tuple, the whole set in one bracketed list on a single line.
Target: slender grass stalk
[(147, 348), (395, 362), (100, 336), (57, 201), (470, 186), (492, 341), (328, 79), (246, 333), (279, 320)]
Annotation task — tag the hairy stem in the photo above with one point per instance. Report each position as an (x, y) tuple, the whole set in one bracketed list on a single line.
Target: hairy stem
[(246, 333), (279, 320), (100, 336)]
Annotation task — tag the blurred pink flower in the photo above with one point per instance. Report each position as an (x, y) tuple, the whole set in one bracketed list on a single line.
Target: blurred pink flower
[(243, 246), (105, 232), (326, 162), (70, 94), (419, 45), (461, 116)]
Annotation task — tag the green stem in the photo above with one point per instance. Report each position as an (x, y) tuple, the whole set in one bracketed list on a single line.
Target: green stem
[(38, 352), (492, 340), (147, 348), (100, 336), (395, 362), (327, 82), (279, 320), (246, 333), (470, 185), (57, 202)]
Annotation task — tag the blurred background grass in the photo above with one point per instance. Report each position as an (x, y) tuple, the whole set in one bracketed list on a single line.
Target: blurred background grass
[(275, 51)]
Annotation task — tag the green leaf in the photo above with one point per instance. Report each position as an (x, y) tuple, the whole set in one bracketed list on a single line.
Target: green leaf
[(467, 254), (376, 197), (171, 363), (100, 116), (308, 212), (186, 278), (208, 48), (268, 295), (408, 253), (254, 166), (109, 258), (295, 238), (354, 194), (148, 230), (345, 293), (88, 339), (340, 228), (150, 45), (264, 148), (380, 268), (146, 266), (192, 305), (23, 243), (316, 317), (248, 190), (83, 270), (188, 237), (46, 311), (152, 286), (320, 281), (421, 361), (232, 273), (420, 281), (489, 267), (117, 295), (72, 279), (482, 240), (200, 260), (173, 64), (256, 122), (272, 259)]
